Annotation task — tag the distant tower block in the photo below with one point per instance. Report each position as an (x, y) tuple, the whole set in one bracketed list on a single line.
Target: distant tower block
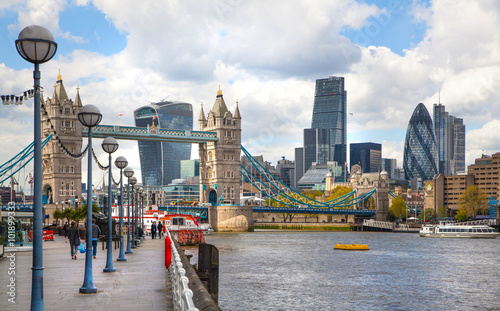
[(220, 168), (62, 175)]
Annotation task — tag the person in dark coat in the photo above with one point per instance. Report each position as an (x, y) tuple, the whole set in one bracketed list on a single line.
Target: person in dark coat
[(153, 230), (160, 228), (96, 232), (74, 239)]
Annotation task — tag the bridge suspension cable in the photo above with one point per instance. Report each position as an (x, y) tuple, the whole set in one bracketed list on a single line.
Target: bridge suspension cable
[(278, 191), (19, 161)]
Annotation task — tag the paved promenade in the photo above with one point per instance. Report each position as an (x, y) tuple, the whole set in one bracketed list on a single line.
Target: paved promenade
[(138, 283)]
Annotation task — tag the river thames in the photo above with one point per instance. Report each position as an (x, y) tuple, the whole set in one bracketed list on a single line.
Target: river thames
[(297, 270)]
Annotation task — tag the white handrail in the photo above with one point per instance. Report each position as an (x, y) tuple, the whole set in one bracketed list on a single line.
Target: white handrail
[(182, 295)]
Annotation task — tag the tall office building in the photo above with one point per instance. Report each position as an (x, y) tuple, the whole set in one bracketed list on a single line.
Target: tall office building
[(316, 147), (368, 155), (160, 161), (390, 166), (299, 166), (190, 168), (450, 140), (329, 112), (420, 154)]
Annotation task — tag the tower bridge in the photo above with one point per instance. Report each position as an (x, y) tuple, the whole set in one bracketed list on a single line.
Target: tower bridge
[(219, 139)]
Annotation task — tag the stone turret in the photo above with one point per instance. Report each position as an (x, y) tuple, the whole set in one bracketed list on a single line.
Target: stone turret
[(220, 168)]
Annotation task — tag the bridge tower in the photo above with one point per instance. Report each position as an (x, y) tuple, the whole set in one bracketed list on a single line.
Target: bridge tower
[(366, 182), (61, 173), (220, 168)]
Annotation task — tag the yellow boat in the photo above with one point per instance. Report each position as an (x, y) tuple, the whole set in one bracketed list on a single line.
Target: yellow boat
[(352, 247)]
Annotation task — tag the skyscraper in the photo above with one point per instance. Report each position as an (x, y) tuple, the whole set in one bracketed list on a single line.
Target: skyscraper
[(450, 140), (329, 112), (316, 147), (420, 154), (390, 166), (368, 155), (160, 161)]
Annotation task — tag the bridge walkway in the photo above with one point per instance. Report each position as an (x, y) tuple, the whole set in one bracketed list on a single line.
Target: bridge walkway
[(138, 283)]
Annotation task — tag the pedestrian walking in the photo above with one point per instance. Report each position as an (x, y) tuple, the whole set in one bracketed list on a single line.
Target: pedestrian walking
[(153, 230), (160, 228), (74, 239), (96, 232)]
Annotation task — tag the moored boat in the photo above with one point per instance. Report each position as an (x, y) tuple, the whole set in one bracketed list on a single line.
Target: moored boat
[(352, 247), (184, 228), (448, 229)]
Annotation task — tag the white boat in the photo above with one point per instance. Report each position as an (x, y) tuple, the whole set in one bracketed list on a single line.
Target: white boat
[(206, 228), (447, 229)]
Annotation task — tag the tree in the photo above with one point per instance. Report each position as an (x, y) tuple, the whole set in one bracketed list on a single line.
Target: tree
[(317, 193), (442, 212), (461, 216), (57, 215), (398, 208), (338, 192), (427, 214), (390, 216), (473, 202)]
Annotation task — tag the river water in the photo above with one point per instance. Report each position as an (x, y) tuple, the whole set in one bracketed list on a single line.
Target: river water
[(297, 270)]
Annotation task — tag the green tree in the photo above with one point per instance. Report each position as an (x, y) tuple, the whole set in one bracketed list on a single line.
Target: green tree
[(390, 216), (442, 212), (461, 216), (57, 215), (338, 192), (398, 208), (473, 202), (427, 214), (317, 193)]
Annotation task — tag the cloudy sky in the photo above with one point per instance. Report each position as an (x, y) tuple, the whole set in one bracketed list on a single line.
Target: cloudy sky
[(267, 54)]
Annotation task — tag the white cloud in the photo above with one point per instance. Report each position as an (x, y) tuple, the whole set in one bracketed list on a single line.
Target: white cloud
[(267, 55)]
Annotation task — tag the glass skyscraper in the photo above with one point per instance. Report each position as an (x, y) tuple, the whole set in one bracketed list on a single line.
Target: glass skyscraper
[(450, 140), (316, 147), (368, 155), (420, 153), (329, 112), (161, 161)]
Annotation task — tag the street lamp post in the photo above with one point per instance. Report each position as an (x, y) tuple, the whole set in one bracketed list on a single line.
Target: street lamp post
[(128, 172), (76, 204), (89, 116), (36, 45), (109, 145), (121, 163), (132, 181), (139, 218)]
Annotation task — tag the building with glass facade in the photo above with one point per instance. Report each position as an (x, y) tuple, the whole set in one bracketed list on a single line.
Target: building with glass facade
[(329, 112), (160, 161), (450, 141), (420, 153), (190, 168), (390, 166), (316, 147), (367, 155)]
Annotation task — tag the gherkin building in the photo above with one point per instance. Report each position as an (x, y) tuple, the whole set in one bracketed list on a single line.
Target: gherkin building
[(420, 154)]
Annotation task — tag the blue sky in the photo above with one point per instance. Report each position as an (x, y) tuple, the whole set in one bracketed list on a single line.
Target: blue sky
[(267, 55)]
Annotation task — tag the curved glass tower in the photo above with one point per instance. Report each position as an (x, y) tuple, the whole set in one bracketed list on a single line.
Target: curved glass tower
[(161, 161), (420, 154)]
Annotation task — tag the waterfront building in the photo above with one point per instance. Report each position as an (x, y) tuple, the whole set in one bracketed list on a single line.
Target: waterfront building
[(160, 161), (190, 168), (315, 177), (285, 169), (61, 173), (368, 155), (420, 154), (450, 141), (299, 165), (444, 190), (220, 161), (390, 166), (329, 112)]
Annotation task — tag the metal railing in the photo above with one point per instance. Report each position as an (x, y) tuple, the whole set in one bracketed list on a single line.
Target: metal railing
[(182, 295), (378, 224)]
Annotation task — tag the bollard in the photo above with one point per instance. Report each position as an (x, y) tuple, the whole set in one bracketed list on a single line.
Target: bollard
[(168, 251)]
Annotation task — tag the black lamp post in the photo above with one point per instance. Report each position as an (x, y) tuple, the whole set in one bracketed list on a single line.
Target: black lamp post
[(121, 163), (139, 209), (89, 116), (109, 145), (36, 45), (132, 181), (128, 172)]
